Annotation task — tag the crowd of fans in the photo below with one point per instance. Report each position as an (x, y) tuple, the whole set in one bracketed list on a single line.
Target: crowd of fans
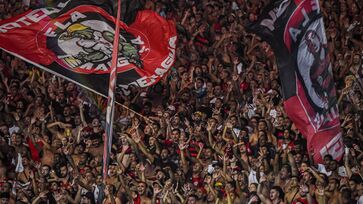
[(212, 131)]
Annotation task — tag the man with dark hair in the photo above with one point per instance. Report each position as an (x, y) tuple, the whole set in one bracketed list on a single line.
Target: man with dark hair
[(4, 198)]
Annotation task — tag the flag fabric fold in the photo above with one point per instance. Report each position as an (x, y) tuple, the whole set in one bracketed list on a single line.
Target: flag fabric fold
[(74, 41), (295, 31)]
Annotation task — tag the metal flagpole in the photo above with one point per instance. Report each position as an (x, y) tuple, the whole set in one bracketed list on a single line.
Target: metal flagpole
[(111, 97)]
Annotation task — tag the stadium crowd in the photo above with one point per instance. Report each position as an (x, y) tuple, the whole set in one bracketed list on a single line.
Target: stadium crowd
[(212, 131)]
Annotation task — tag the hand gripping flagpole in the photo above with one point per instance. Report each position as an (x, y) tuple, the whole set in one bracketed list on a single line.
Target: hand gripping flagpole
[(111, 97)]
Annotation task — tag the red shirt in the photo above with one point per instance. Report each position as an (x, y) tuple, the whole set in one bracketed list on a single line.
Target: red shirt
[(303, 201)]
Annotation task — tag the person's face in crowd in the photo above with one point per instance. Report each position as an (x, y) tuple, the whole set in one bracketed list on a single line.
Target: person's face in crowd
[(160, 175), (294, 182), (298, 158), (274, 84), (253, 122), (141, 188), (20, 105), (63, 171), (52, 95), (262, 140), (175, 121), (352, 185), (333, 165), (360, 189), (54, 187), (155, 128), (219, 137), (303, 167), (259, 78), (61, 96), (356, 59), (83, 158), (14, 90), (320, 185), (64, 141), (209, 86), (218, 103), (193, 57), (197, 168), (38, 101), (286, 134), (79, 149), (264, 150), (89, 178), (112, 170), (233, 121), (217, 90), (185, 97), (50, 89), (87, 169), (175, 135), (2, 7), (199, 84), (147, 109), (213, 122), (4, 129), (44, 171), (99, 180), (70, 87), (185, 76), (5, 186), (147, 130), (261, 125), (66, 111), (198, 71), (332, 185), (262, 169), (152, 141), (287, 122), (63, 197), (164, 154), (77, 120), (85, 200), (224, 75), (57, 143), (242, 148), (192, 200), (180, 70), (327, 161), (124, 140), (250, 76), (284, 173), (4, 200), (252, 187), (208, 153), (95, 122), (274, 194), (210, 197), (15, 139)]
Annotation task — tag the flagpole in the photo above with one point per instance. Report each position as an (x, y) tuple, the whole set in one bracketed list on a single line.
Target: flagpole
[(111, 97)]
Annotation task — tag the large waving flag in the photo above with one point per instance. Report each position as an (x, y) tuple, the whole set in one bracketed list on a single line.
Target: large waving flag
[(75, 40), (295, 31)]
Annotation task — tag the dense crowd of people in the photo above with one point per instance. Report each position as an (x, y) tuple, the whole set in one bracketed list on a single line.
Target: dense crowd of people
[(213, 131)]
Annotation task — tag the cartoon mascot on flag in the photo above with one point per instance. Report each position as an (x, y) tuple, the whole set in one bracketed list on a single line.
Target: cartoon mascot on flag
[(97, 46)]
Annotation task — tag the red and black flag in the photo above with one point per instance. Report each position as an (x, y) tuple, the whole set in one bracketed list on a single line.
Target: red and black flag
[(74, 40), (295, 31)]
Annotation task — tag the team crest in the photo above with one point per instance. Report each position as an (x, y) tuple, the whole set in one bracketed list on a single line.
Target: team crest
[(86, 47)]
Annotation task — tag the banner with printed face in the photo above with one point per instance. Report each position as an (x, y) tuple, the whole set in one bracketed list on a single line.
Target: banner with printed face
[(74, 41), (295, 31)]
